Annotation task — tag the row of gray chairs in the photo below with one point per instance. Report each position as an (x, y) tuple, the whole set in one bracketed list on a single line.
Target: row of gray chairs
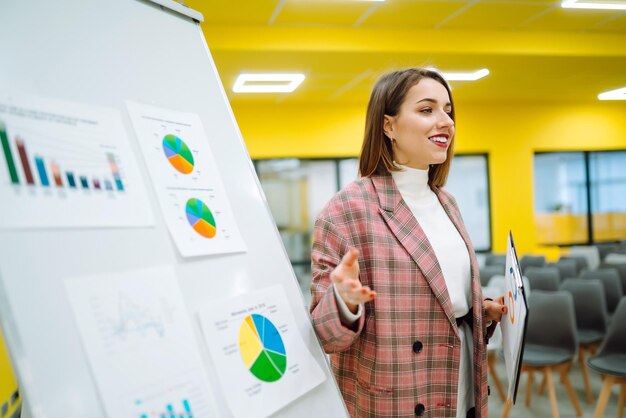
[(549, 278), (554, 337)]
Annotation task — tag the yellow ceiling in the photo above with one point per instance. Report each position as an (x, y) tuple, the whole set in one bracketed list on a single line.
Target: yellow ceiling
[(535, 50)]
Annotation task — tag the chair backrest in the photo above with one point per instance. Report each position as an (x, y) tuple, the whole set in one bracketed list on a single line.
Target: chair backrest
[(487, 272), (606, 249), (531, 261), (495, 260), (615, 258), (543, 278), (567, 268), (581, 262), (552, 321), (615, 340), (590, 252), (621, 270), (589, 303), (612, 285)]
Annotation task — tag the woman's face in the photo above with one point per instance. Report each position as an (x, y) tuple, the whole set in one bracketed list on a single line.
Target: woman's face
[(422, 129)]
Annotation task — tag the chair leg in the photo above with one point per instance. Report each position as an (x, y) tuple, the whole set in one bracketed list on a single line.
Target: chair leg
[(507, 408), (529, 386), (570, 390), (585, 370), (551, 392), (542, 386), (604, 396), (621, 401), (491, 361)]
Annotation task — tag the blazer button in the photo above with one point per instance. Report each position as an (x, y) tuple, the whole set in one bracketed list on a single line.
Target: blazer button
[(417, 347), (419, 409)]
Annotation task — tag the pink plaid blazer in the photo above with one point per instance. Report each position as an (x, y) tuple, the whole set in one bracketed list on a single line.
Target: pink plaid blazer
[(401, 358)]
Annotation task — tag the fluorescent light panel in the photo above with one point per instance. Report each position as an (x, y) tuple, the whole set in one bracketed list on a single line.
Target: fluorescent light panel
[(609, 5), (617, 94), (267, 83), (465, 76)]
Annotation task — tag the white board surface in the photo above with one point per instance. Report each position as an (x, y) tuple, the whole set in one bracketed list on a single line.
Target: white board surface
[(104, 53)]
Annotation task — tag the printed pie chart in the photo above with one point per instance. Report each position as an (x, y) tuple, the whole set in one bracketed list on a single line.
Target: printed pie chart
[(262, 348), (200, 218), (178, 153)]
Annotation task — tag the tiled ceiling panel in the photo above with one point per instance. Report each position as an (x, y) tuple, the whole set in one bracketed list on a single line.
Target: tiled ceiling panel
[(616, 24), (296, 12), (560, 19), (417, 15), (257, 12), (536, 51), (490, 16)]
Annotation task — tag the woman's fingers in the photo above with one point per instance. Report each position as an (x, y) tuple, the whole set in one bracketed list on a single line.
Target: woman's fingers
[(348, 267), (350, 257), (346, 278), (494, 309), (358, 296)]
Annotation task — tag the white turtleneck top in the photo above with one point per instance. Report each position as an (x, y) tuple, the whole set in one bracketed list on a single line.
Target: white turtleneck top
[(453, 259)]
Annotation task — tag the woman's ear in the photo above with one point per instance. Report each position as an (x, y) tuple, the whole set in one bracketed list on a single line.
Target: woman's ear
[(388, 126)]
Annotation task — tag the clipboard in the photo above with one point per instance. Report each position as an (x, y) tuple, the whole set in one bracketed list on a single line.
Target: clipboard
[(515, 324)]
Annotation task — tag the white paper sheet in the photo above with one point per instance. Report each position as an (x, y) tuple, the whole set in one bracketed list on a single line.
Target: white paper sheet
[(140, 344), (261, 359), (67, 165), (186, 181)]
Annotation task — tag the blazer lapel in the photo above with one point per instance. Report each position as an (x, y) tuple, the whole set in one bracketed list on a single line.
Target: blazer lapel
[(407, 230)]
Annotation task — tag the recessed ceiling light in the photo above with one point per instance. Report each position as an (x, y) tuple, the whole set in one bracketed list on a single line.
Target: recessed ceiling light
[(590, 4), (617, 94), (267, 83), (465, 76)]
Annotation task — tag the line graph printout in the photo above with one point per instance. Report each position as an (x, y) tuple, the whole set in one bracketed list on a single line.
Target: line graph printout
[(67, 165), (140, 344), (186, 180), (260, 357)]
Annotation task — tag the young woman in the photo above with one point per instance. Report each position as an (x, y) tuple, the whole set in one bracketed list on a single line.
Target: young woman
[(396, 297)]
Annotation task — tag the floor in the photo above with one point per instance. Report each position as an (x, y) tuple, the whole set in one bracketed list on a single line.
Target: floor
[(540, 405)]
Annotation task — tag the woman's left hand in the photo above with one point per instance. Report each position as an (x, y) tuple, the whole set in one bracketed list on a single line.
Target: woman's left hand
[(492, 314), (493, 310)]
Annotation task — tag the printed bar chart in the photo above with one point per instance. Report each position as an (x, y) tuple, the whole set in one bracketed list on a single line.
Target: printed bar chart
[(51, 172), (56, 157), (8, 154), (171, 412)]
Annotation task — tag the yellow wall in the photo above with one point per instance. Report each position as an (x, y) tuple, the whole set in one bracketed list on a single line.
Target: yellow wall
[(8, 385), (509, 133)]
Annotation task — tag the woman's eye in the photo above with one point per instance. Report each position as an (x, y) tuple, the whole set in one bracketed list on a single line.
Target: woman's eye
[(427, 110)]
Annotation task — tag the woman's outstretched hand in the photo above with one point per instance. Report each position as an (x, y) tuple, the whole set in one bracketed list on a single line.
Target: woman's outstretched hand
[(492, 314), (346, 278)]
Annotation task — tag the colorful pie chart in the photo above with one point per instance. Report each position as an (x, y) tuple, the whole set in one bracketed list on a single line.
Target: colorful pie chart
[(178, 153), (262, 348), (200, 218)]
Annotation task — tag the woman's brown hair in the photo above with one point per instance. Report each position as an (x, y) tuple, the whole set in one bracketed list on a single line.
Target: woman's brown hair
[(387, 97)]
